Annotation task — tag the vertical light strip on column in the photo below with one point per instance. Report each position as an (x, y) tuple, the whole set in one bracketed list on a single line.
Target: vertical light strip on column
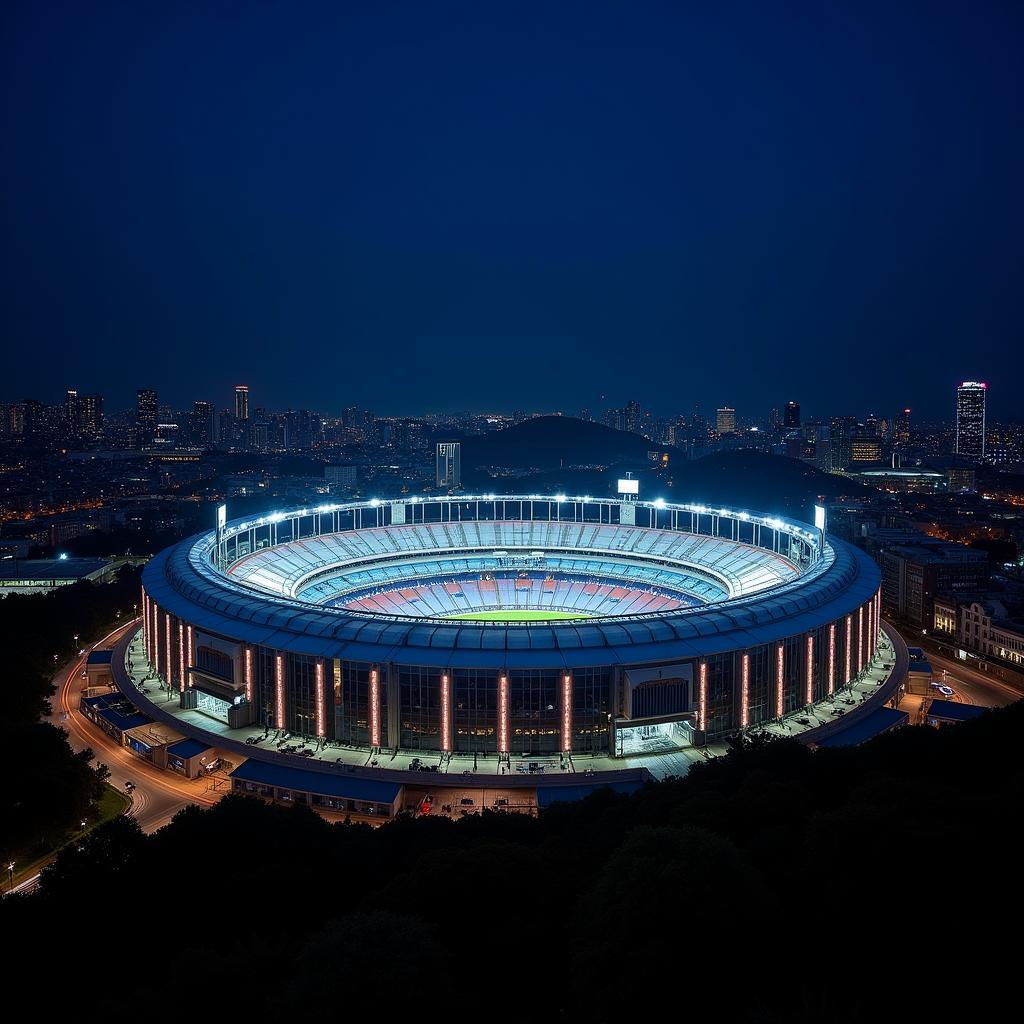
[(279, 690), (860, 640), (780, 680), (446, 713), (155, 660), (321, 711), (146, 631), (167, 657), (810, 668), (878, 615), (248, 674), (567, 713), (374, 708), (702, 695), (181, 655), (745, 691), (849, 638), (191, 662), (832, 658), (503, 743)]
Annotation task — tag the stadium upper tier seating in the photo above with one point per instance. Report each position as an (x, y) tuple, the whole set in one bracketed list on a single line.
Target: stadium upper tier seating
[(321, 569)]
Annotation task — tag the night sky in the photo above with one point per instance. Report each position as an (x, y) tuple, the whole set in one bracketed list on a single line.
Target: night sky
[(437, 206)]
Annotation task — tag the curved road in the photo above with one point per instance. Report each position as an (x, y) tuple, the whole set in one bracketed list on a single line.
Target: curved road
[(158, 795)]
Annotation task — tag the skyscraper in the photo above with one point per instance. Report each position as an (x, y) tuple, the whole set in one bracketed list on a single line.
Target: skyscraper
[(241, 401), (449, 465), (203, 424), (792, 416), (970, 419), (725, 420), (90, 415), (903, 427), (146, 411)]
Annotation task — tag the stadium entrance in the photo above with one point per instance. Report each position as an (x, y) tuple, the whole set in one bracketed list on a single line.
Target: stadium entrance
[(652, 735)]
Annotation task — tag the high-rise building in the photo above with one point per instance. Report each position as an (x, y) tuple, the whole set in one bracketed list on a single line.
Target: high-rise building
[(970, 419), (241, 401), (147, 408), (202, 424), (72, 413), (903, 427), (791, 416), (90, 415), (449, 465), (725, 420)]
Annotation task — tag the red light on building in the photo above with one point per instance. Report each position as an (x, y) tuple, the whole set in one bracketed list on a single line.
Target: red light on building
[(567, 713), (832, 658), (849, 639), (374, 708), (167, 656), (248, 674), (702, 699), (321, 708), (279, 690), (860, 640), (780, 680), (503, 730), (745, 692), (446, 713), (810, 669)]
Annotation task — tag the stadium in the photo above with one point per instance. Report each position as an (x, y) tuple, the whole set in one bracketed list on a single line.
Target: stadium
[(510, 625)]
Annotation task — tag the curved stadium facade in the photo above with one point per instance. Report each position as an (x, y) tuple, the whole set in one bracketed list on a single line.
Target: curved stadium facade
[(507, 625)]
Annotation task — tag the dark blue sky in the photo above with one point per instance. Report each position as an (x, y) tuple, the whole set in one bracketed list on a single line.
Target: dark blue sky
[(448, 206)]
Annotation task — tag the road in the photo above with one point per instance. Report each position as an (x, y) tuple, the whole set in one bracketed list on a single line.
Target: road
[(158, 795), (971, 686)]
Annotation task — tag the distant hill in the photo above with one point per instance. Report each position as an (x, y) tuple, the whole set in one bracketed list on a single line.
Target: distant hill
[(755, 480), (551, 442)]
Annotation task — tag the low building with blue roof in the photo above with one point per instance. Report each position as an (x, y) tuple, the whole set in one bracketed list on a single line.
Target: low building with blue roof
[(881, 720), (190, 758), (98, 668), (113, 714), (950, 712), (351, 794)]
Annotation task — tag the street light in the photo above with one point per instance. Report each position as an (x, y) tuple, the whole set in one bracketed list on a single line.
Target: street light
[(10, 874)]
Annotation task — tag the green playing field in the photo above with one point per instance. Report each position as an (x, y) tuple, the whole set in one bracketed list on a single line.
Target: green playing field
[(517, 615)]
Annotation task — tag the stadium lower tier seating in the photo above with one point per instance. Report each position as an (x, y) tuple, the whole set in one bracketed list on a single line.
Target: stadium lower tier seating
[(447, 598)]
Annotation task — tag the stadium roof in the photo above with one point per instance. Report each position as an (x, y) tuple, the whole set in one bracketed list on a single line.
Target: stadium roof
[(182, 580)]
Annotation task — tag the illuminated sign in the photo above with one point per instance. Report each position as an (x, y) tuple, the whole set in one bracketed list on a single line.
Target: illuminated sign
[(819, 517), (503, 741), (374, 708), (629, 487), (567, 713), (446, 713)]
